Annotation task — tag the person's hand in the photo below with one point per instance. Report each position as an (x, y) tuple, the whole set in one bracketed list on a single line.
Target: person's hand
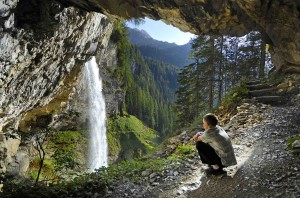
[(197, 135)]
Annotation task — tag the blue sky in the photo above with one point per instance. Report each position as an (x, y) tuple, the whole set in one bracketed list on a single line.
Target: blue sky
[(163, 32)]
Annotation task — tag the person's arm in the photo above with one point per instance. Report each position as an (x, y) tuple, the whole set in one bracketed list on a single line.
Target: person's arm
[(197, 137)]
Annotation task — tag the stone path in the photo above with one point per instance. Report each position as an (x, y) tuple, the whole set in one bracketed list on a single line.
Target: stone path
[(266, 168), (264, 93)]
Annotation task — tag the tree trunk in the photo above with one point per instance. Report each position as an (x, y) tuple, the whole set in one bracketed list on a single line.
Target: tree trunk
[(198, 84), (211, 82), (236, 71), (42, 158), (220, 83), (262, 59)]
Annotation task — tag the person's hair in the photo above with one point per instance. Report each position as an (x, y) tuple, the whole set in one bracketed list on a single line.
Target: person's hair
[(211, 119)]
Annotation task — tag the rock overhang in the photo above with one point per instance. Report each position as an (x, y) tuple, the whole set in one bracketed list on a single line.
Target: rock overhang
[(277, 20)]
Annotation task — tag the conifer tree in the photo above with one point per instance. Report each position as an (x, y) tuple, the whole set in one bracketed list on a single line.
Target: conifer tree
[(219, 65)]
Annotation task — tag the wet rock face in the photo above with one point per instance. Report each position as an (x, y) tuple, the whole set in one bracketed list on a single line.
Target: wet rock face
[(75, 116), (43, 47), (278, 20)]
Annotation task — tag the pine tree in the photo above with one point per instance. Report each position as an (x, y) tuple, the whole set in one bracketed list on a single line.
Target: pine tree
[(219, 65)]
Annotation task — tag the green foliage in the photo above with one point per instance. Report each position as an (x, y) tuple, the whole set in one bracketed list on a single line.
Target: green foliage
[(291, 140), (64, 144), (48, 170), (62, 153), (89, 184), (185, 150), (219, 65), (149, 85), (120, 37), (138, 21), (235, 96), (132, 169), (129, 138)]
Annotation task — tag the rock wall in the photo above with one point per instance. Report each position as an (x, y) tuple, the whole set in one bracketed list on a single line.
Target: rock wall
[(278, 20), (43, 47), (75, 115), (44, 44)]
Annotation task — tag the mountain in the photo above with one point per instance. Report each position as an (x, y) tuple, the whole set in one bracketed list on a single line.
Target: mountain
[(151, 94), (170, 53)]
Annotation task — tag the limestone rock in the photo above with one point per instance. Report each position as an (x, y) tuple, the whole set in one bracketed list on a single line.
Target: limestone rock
[(296, 144), (43, 47)]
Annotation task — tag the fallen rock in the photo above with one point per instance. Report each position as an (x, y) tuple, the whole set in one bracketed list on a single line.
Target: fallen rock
[(296, 144)]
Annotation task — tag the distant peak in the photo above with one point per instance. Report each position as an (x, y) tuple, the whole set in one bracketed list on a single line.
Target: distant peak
[(143, 32)]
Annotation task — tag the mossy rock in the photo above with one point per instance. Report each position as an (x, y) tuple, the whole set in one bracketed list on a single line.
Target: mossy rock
[(129, 138)]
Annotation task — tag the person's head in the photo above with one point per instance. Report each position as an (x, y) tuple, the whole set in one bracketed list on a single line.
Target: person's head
[(209, 120)]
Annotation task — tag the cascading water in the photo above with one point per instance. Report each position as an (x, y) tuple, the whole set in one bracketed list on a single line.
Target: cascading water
[(97, 118)]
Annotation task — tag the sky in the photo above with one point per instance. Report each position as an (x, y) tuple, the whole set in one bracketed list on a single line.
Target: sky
[(158, 30)]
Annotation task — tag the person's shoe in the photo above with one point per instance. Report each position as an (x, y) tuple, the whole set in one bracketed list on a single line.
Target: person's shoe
[(219, 171), (211, 171)]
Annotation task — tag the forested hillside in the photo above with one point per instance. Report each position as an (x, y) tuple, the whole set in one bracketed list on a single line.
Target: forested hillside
[(150, 86), (170, 53), (219, 65), (152, 95)]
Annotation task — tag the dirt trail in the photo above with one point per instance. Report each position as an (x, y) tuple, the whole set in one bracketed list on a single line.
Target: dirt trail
[(270, 171), (266, 168)]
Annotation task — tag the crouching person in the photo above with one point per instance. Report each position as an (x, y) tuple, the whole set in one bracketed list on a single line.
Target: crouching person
[(214, 146)]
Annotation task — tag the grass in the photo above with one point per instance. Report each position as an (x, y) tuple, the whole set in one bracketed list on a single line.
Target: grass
[(185, 151)]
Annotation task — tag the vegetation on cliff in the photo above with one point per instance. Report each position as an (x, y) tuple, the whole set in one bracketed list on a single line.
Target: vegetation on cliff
[(97, 183), (129, 138), (149, 85), (63, 154)]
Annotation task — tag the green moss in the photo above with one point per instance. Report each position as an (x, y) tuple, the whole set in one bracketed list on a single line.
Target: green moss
[(62, 151), (67, 137), (186, 149), (129, 138), (291, 140), (113, 144), (64, 145), (48, 170)]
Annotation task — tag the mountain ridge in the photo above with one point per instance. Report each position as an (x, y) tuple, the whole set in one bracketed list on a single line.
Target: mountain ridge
[(170, 53)]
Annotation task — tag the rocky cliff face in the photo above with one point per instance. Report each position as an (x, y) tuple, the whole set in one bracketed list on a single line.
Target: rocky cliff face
[(43, 47), (44, 44), (278, 20)]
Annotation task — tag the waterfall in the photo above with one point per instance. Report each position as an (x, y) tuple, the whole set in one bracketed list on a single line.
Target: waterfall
[(97, 118)]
